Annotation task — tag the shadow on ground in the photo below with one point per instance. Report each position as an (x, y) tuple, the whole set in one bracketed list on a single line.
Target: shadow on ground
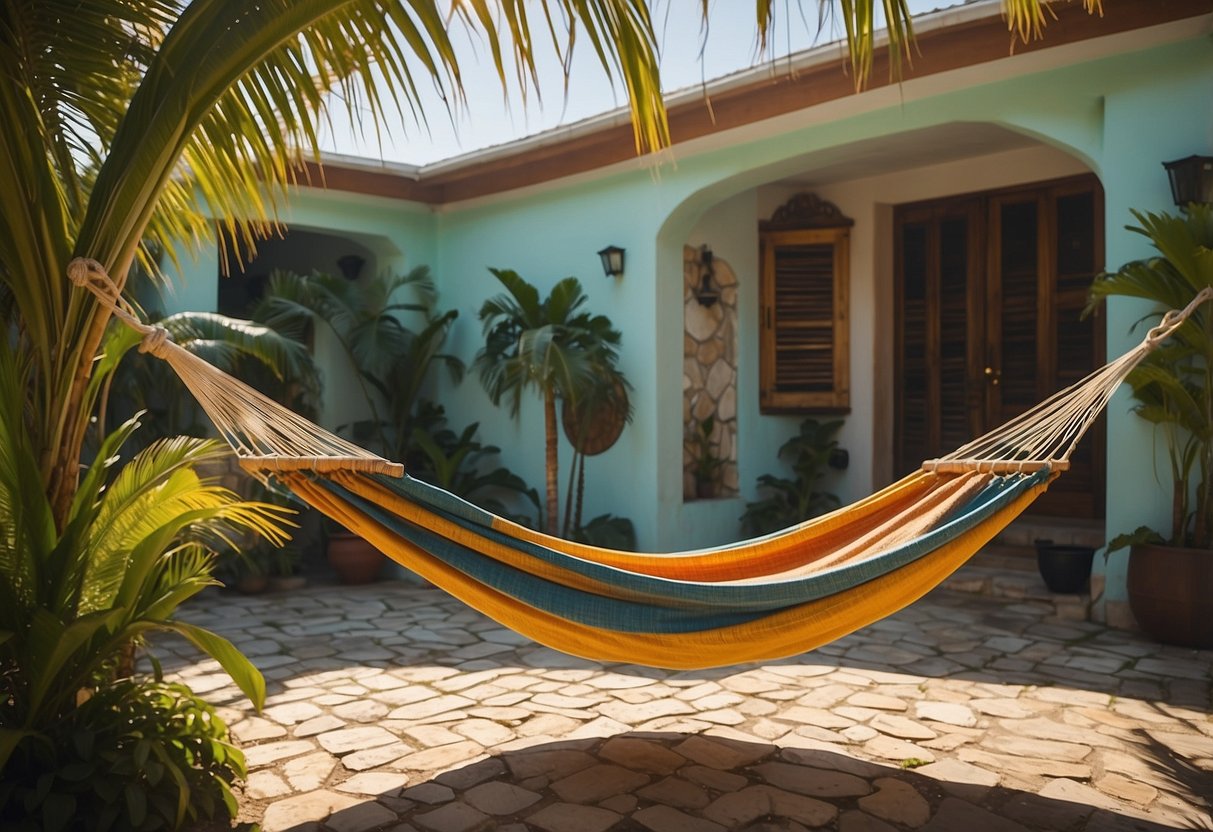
[(673, 781), (1005, 643)]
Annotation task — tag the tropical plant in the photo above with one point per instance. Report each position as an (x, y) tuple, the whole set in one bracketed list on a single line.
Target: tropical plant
[(550, 346), (138, 541), (1173, 385), (455, 462), (279, 366), (791, 501), (606, 531), (707, 465), (393, 362), (138, 754)]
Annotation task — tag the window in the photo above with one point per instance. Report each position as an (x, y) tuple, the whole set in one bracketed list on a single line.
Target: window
[(804, 345)]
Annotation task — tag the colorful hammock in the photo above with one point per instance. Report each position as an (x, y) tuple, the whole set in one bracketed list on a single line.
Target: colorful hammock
[(760, 599)]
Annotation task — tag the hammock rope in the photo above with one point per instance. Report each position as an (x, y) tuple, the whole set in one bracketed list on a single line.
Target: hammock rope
[(766, 598), (265, 436)]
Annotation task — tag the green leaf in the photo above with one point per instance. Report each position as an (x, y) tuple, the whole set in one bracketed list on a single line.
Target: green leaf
[(247, 677), (10, 738), (136, 803), (58, 810), (55, 647)]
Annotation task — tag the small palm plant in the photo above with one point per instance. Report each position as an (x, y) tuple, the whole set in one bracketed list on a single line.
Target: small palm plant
[(789, 501), (707, 465), (139, 539), (550, 346), (1173, 385)]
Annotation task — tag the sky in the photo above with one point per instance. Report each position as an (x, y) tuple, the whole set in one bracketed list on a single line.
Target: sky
[(690, 55)]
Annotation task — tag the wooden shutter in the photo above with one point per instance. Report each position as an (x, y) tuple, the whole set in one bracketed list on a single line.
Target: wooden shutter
[(805, 341)]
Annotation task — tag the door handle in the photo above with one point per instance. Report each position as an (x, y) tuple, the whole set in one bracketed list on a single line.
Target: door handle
[(993, 375)]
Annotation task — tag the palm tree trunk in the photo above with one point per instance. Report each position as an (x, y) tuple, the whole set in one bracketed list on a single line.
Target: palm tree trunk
[(568, 497), (580, 492), (550, 461)]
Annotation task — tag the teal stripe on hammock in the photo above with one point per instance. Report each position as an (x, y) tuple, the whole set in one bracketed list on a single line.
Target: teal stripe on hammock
[(453, 506), (775, 593), (675, 611)]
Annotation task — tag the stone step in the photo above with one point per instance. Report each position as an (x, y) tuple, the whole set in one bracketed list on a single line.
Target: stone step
[(1025, 531), (1009, 572), (1006, 556)]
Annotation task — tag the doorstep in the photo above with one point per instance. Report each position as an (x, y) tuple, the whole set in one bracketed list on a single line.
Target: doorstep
[(1006, 567), (985, 575)]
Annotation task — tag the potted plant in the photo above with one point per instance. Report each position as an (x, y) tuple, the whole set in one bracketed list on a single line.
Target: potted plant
[(706, 463), (787, 502), (354, 558), (1170, 581)]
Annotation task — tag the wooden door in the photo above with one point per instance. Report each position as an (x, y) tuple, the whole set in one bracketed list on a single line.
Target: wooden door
[(939, 299), (990, 292)]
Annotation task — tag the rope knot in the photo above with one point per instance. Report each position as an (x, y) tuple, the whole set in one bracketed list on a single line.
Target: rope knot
[(155, 341), (82, 269)]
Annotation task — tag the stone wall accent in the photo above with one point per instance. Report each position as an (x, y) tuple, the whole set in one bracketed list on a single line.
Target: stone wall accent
[(709, 374)]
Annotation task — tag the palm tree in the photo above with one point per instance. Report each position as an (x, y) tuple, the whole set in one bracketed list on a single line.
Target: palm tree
[(548, 346), (124, 125)]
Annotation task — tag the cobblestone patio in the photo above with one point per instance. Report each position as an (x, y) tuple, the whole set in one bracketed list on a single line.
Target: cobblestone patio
[(397, 708)]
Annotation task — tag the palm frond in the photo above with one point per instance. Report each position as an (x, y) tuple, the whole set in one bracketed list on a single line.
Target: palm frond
[(1027, 19), (224, 341), (155, 497)]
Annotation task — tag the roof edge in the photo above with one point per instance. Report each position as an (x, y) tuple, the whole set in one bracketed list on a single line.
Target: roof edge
[(950, 39)]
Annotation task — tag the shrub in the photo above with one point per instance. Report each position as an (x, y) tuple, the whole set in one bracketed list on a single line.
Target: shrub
[(139, 754), (791, 501)]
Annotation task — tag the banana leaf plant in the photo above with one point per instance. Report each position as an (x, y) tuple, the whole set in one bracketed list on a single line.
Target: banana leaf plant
[(456, 463), (1173, 385), (394, 363)]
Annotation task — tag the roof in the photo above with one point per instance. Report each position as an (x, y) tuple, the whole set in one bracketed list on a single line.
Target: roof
[(954, 38)]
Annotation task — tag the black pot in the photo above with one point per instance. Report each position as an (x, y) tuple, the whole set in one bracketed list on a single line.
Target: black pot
[(1065, 568)]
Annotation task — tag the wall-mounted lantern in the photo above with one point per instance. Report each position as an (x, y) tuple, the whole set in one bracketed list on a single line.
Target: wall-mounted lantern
[(612, 261), (1191, 180), (351, 266), (706, 292)]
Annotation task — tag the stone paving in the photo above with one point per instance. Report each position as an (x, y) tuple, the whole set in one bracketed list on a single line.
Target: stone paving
[(393, 707)]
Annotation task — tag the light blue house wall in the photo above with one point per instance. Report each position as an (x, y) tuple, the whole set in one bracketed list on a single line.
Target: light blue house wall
[(1118, 115), (391, 235), (1103, 116)]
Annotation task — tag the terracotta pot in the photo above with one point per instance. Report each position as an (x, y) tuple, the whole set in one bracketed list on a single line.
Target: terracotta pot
[(354, 559), (1171, 593), (287, 583), (252, 584)]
